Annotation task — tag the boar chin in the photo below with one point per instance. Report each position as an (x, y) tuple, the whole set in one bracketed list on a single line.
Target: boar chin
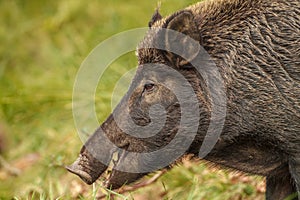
[(119, 178)]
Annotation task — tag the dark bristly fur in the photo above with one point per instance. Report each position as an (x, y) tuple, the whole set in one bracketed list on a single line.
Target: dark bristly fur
[(256, 47)]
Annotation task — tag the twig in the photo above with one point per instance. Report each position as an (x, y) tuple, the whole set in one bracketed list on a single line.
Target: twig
[(125, 189)]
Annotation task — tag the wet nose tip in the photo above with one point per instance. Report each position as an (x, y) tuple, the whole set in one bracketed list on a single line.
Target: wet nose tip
[(75, 169)]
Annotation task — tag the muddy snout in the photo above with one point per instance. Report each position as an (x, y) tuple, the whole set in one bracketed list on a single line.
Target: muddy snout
[(87, 167)]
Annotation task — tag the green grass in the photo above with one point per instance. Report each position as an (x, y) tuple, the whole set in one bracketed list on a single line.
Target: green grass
[(42, 46)]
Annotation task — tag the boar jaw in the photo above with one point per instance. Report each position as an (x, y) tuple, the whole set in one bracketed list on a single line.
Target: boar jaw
[(119, 178)]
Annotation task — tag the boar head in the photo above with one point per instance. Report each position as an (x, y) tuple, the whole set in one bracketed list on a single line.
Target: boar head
[(157, 121)]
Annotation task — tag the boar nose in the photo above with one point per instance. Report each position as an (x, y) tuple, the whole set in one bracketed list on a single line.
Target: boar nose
[(87, 167), (77, 169)]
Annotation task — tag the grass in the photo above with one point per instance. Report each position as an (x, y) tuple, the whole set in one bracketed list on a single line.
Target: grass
[(42, 46)]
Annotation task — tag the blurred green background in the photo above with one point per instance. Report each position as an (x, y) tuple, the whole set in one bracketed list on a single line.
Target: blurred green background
[(42, 46)]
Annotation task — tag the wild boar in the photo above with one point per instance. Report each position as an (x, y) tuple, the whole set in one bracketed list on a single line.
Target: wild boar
[(255, 45)]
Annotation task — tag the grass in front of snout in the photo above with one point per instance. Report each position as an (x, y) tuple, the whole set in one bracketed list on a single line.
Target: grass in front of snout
[(42, 46)]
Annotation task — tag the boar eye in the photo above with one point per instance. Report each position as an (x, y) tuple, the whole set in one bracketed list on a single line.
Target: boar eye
[(148, 87)]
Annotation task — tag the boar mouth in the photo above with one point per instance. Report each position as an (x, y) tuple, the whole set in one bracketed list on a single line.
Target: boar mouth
[(112, 174), (117, 177)]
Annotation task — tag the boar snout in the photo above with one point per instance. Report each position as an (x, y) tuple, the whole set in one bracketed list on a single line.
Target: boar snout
[(87, 167), (94, 158)]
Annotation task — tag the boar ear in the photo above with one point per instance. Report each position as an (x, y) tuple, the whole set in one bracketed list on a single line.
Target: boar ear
[(155, 17), (182, 42)]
